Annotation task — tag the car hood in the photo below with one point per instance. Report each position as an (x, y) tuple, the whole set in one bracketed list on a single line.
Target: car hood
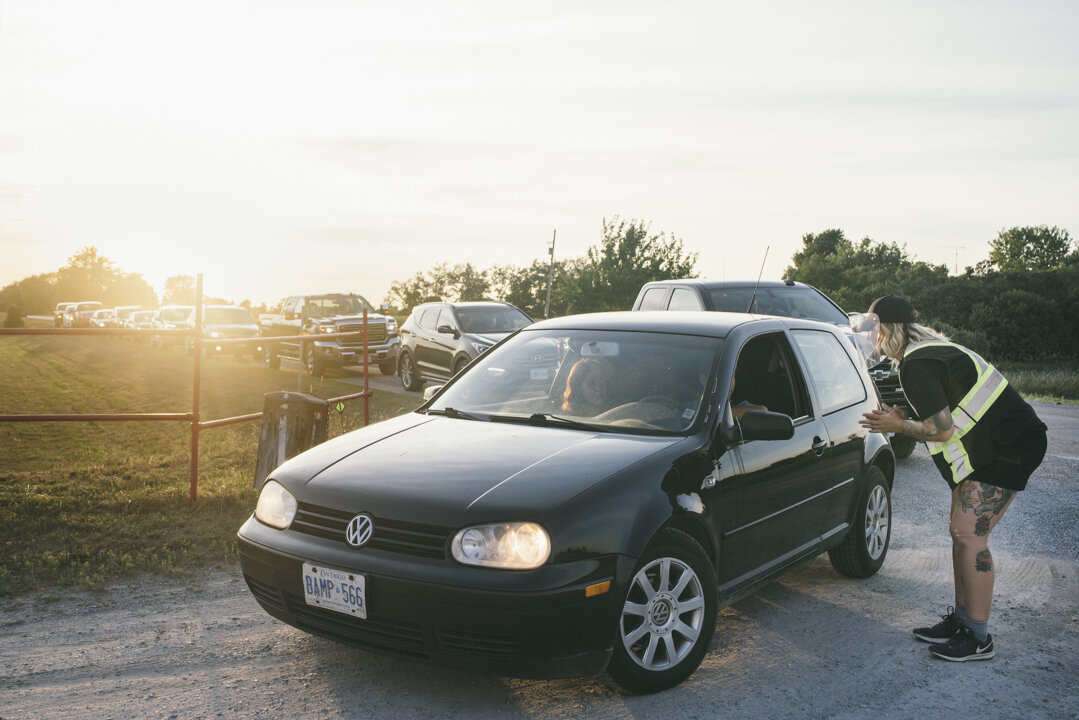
[(447, 471)]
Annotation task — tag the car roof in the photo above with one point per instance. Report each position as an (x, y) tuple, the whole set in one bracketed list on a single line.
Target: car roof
[(721, 284), (687, 322)]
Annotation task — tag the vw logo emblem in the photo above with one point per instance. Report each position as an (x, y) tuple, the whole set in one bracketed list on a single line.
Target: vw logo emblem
[(359, 530)]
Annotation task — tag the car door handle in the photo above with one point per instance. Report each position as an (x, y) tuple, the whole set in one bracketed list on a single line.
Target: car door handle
[(819, 446)]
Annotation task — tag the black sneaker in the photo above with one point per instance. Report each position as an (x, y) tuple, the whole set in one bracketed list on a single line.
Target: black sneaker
[(964, 646), (949, 625)]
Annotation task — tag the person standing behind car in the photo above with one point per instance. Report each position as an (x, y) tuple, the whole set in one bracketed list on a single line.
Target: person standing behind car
[(984, 439)]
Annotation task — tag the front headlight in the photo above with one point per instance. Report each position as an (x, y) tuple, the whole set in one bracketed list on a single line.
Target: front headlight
[(480, 348), (276, 506), (327, 329), (510, 546)]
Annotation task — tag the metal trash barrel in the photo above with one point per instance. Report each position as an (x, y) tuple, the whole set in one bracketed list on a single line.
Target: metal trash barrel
[(291, 423)]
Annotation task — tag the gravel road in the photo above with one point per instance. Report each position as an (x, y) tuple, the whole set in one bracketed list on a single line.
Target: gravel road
[(811, 645)]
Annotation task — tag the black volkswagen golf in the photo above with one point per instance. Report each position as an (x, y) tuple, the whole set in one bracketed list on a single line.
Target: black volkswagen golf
[(583, 498)]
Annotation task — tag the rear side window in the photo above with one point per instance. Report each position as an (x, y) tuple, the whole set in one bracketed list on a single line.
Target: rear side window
[(653, 299), (831, 370), (429, 318), (683, 299)]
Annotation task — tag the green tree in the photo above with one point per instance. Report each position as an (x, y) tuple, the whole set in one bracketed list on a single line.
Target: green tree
[(1030, 248), (179, 290), (629, 255)]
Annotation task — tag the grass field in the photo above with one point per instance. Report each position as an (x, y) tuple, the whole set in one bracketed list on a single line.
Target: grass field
[(83, 502)]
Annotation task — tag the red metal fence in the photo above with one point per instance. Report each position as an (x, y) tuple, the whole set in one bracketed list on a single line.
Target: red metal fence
[(193, 417)]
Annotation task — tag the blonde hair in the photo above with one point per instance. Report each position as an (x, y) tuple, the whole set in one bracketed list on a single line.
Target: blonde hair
[(895, 337)]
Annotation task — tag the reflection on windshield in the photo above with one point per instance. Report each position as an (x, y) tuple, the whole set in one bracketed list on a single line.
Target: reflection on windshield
[(621, 381)]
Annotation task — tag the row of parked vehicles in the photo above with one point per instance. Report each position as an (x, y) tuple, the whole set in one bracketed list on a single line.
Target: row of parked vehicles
[(219, 322)]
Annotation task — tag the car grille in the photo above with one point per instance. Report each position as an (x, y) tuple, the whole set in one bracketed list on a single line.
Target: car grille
[(389, 535), (400, 638), (459, 641), (406, 639), (376, 333), (887, 381)]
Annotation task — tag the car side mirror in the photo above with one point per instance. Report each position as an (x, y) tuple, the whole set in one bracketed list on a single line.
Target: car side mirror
[(384, 308), (759, 425), (448, 330)]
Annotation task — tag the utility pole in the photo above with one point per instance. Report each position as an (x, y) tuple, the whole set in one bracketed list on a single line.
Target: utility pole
[(550, 275), (957, 248)]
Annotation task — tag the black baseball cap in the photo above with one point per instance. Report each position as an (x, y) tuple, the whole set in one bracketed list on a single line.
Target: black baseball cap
[(893, 309)]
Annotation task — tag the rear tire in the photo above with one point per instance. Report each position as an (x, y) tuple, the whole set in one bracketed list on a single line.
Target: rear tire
[(903, 446), (311, 362), (862, 552), (270, 358), (407, 370), (667, 619)]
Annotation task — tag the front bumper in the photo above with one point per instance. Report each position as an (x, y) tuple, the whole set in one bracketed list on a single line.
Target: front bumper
[(529, 625)]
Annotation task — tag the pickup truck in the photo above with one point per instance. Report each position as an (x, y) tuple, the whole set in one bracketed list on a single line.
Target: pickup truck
[(785, 299), (329, 313)]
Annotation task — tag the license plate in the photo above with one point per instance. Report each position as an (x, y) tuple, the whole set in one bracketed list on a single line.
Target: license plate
[(336, 590)]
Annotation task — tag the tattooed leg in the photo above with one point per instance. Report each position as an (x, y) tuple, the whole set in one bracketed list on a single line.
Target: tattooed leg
[(976, 510)]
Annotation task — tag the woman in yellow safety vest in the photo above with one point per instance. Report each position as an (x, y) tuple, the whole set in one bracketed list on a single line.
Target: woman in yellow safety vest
[(985, 440)]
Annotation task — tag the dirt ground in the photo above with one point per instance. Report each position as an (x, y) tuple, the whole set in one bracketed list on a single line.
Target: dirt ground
[(811, 645)]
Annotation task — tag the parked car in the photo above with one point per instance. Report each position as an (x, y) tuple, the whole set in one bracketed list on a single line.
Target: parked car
[(143, 322), (786, 299), (439, 338), (170, 317), (123, 312), (324, 314), (225, 322), (104, 318), (79, 314), (505, 527), (60, 311)]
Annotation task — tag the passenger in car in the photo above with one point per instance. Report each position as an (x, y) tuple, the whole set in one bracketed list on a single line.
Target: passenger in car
[(741, 407), (588, 388)]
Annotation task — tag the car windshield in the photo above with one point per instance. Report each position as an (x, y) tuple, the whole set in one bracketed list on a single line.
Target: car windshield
[(143, 316), (228, 316), (496, 319), (792, 301), (83, 307), (333, 305), (615, 381), (175, 314)]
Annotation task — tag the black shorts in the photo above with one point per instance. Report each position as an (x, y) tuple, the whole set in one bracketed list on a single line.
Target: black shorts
[(1015, 461)]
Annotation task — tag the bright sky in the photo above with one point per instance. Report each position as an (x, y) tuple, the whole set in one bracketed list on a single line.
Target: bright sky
[(280, 146)]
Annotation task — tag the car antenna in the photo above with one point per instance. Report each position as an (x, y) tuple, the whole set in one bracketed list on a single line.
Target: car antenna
[(754, 298)]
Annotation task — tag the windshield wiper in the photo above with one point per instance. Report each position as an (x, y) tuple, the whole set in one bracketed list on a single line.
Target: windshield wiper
[(455, 413), (548, 419)]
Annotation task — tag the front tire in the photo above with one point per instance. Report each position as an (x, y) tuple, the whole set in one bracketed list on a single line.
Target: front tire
[(407, 370), (862, 552), (459, 365), (387, 368), (667, 619)]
